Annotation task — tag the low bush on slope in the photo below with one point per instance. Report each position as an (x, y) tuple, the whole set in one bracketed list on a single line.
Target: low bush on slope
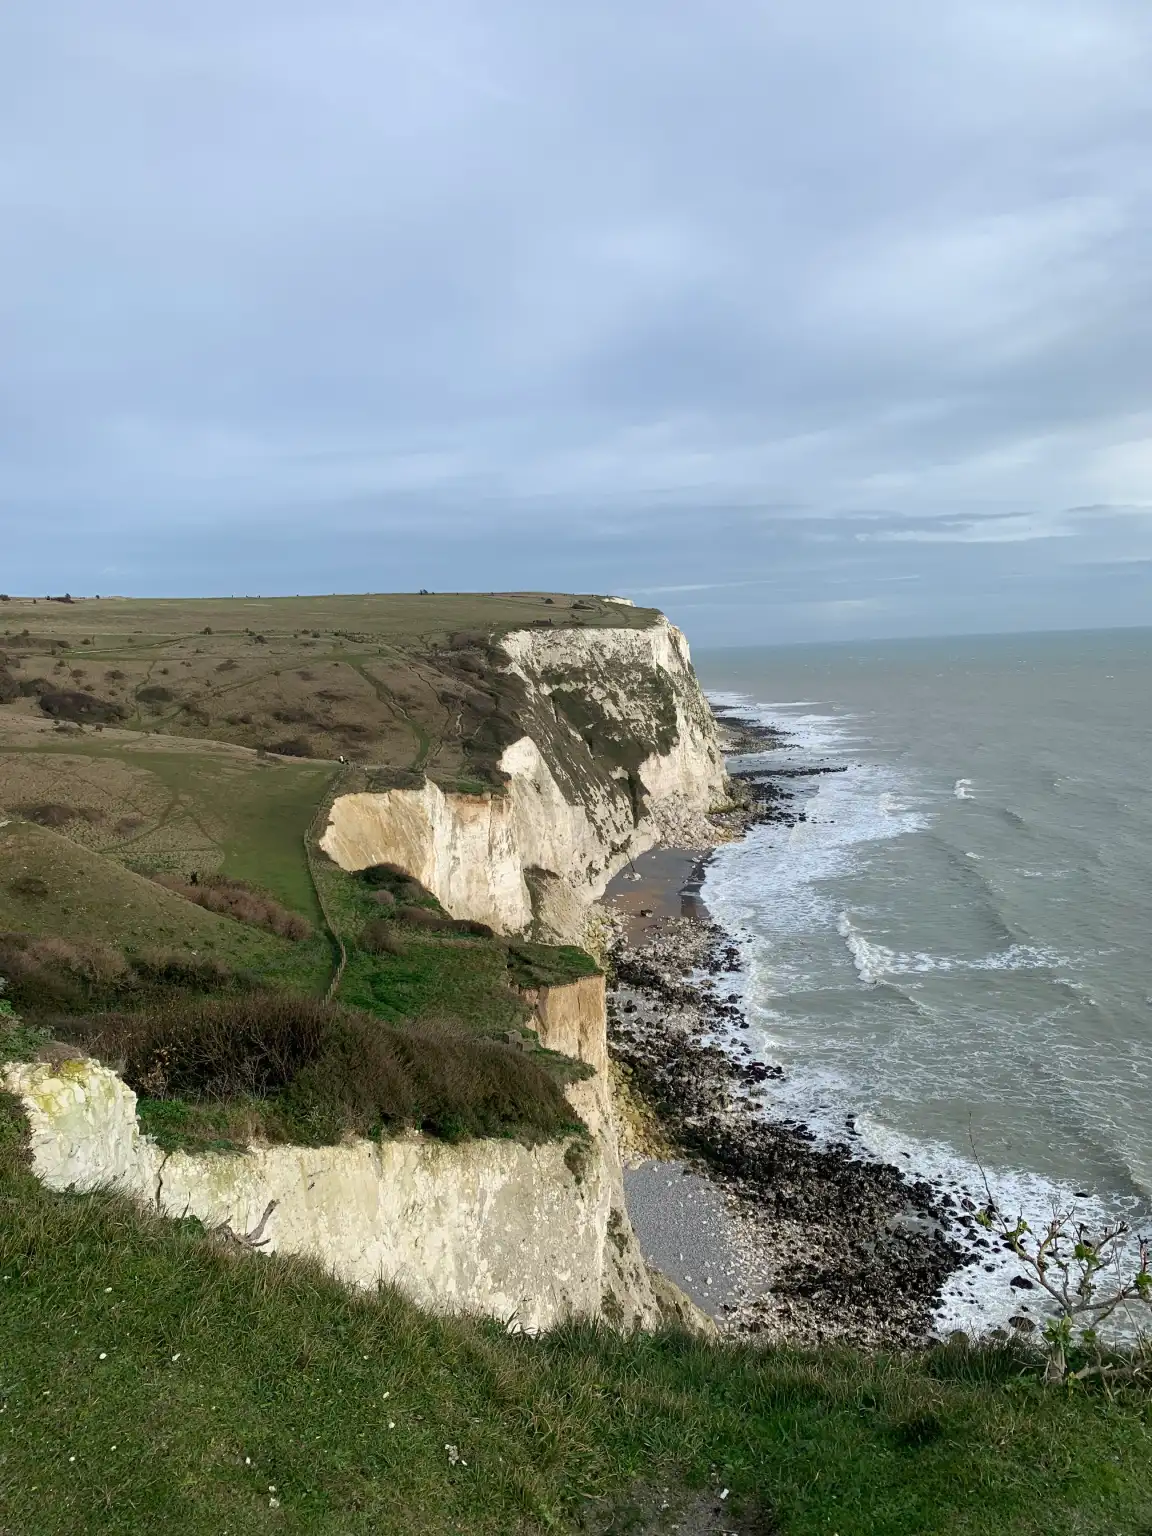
[(154, 1380), (215, 1071), (235, 898)]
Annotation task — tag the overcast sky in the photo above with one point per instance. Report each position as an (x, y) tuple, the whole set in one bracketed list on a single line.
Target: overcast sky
[(814, 318)]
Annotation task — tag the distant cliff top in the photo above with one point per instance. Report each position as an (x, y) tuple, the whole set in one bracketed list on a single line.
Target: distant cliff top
[(410, 683), (394, 614)]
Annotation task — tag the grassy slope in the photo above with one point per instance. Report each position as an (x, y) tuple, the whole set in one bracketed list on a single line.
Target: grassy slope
[(372, 678), (91, 897), (271, 1356), (226, 1375), (156, 804)]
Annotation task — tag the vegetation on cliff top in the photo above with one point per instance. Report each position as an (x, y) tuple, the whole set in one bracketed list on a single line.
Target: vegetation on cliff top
[(395, 680), (154, 1380)]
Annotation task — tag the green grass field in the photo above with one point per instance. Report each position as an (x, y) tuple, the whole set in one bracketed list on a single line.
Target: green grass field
[(153, 1381), (377, 679)]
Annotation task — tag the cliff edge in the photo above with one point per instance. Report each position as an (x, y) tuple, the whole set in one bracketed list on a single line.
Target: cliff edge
[(614, 750)]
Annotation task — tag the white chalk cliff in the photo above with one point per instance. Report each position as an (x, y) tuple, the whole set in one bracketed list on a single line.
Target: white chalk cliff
[(529, 1235), (619, 753)]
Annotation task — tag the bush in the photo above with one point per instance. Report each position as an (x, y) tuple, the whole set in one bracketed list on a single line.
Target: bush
[(383, 898), (294, 746), (232, 898), (380, 938), (30, 886), (324, 1072), (469, 925), (51, 814), (49, 974), (423, 917), (155, 693), (9, 687), (398, 883), (79, 708)]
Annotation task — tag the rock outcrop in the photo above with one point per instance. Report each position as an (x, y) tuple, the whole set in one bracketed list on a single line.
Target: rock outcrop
[(619, 752), (530, 1235)]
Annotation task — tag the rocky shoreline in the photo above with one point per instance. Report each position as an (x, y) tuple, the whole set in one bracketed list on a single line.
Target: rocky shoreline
[(826, 1244)]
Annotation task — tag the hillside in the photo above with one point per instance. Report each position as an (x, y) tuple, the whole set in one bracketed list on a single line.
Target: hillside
[(399, 681), (153, 1380), (326, 1007)]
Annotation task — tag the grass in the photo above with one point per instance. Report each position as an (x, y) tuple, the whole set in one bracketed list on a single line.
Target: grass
[(162, 805), (152, 1380), (285, 1068), (50, 887), (398, 681), (474, 981)]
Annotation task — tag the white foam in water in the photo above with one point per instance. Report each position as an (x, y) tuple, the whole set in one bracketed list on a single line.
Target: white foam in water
[(980, 1295), (769, 891), (874, 962)]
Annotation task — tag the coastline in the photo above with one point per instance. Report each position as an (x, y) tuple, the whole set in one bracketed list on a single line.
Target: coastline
[(773, 1232)]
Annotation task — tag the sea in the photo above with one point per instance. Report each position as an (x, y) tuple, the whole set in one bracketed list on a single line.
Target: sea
[(952, 953)]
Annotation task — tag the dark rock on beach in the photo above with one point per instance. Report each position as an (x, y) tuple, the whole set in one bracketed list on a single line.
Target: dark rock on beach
[(833, 1245)]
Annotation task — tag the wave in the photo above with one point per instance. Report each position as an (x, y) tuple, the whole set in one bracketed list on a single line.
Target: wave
[(962, 789), (876, 962)]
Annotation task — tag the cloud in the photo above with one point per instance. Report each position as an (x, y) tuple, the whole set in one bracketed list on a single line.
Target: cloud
[(610, 277)]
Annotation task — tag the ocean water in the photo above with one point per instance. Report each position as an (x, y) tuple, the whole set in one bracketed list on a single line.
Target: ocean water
[(956, 945)]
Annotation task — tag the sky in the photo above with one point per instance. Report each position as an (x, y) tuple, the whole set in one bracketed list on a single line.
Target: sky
[(802, 320)]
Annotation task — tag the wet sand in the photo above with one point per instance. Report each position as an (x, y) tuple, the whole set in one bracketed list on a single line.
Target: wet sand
[(665, 882)]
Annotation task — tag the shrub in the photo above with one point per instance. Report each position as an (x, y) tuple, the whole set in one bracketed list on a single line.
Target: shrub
[(31, 886), (470, 925), (381, 938), (383, 898), (49, 974), (9, 687), (294, 746), (49, 813), (232, 898), (155, 693), (79, 708), (423, 917), (399, 884), (324, 1072)]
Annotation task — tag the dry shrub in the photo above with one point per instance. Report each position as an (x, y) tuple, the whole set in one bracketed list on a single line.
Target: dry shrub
[(177, 968), (50, 974), (399, 884), (30, 886), (379, 937), (9, 687), (49, 813), (472, 926), (383, 898), (21, 953), (327, 1072), (129, 823), (155, 693), (232, 898), (79, 708), (294, 746), (423, 917)]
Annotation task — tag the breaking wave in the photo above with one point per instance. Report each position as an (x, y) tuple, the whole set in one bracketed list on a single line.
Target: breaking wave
[(876, 962)]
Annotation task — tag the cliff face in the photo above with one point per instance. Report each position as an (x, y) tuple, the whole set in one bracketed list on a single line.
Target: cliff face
[(618, 753), (528, 1235)]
